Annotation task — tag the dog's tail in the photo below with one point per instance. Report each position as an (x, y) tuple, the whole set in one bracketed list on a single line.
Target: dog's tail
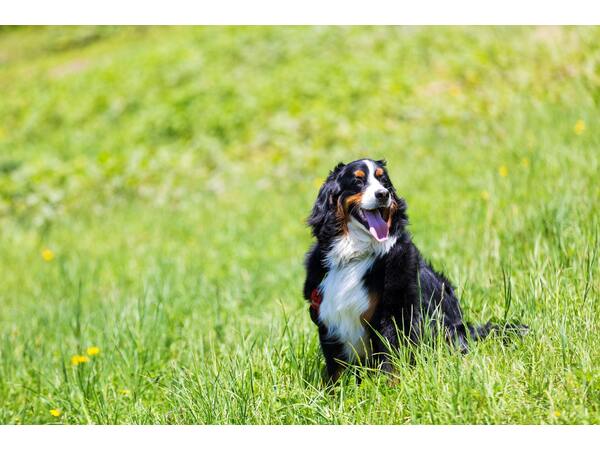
[(461, 334), (507, 330)]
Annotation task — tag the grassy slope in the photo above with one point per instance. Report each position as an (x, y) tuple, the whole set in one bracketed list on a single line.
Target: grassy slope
[(170, 170)]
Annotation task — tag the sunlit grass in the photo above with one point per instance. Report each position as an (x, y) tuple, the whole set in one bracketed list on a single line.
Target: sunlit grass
[(153, 190)]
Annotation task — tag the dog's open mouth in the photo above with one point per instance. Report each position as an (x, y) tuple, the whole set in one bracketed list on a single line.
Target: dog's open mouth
[(374, 220)]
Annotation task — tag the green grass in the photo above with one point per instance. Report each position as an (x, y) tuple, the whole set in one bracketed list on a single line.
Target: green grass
[(170, 170)]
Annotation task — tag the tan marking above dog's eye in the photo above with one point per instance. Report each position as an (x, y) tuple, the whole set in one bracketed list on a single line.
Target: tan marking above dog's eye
[(378, 172), (359, 173)]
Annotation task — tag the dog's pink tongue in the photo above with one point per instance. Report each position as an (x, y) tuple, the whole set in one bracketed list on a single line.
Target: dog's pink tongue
[(377, 226)]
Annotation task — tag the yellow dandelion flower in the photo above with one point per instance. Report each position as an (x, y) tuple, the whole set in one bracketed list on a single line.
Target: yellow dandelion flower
[(485, 195), (503, 171), (125, 392), (317, 182), (79, 359), (93, 351), (47, 255), (556, 413), (55, 412), (579, 127), (525, 162)]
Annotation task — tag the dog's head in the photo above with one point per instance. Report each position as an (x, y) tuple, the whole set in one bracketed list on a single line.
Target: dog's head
[(358, 196)]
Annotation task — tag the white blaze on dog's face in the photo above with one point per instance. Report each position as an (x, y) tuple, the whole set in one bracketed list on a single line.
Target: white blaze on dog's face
[(367, 203), (375, 195)]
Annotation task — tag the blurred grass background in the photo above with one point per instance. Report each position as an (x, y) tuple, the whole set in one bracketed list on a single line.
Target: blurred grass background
[(154, 183)]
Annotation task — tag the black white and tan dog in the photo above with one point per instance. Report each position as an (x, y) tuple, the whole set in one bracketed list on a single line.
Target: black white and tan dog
[(369, 287)]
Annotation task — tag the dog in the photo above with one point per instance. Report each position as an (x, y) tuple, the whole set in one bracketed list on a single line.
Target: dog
[(368, 286)]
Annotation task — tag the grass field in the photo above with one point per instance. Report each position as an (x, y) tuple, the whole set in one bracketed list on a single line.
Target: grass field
[(154, 184)]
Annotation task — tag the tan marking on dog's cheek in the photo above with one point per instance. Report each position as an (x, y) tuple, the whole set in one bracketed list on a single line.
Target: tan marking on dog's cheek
[(341, 216), (388, 213), (392, 210), (356, 198), (343, 209)]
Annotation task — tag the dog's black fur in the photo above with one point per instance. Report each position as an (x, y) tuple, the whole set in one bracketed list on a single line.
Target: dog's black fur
[(413, 297)]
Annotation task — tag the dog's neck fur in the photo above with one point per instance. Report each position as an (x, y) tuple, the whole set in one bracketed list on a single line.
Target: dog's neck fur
[(355, 245)]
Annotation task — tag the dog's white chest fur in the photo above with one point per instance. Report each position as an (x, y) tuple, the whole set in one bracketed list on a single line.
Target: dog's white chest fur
[(345, 297)]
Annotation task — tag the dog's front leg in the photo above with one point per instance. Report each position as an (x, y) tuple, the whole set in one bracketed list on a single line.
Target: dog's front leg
[(399, 327), (333, 352), (385, 343)]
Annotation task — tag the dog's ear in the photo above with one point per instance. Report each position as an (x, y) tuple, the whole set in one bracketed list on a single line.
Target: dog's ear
[(324, 207)]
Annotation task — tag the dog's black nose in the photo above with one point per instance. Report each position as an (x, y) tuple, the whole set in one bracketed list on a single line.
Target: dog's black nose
[(382, 194)]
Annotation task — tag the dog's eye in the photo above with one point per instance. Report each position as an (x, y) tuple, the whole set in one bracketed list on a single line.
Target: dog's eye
[(359, 177)]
